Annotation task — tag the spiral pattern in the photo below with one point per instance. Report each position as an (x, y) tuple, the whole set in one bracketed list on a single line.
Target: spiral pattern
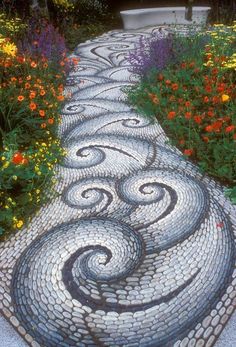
[(146, 250)]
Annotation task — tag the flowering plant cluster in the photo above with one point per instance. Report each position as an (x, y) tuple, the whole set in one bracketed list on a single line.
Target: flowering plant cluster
[(32, 92), (195, 102)]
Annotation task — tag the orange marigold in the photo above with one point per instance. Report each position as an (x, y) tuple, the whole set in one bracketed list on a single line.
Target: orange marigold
[(32, 106), (60, 97), (230, 128), (171, 115), (188, 152), (20, 98)]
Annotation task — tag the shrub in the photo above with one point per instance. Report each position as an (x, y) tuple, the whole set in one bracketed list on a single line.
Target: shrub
[(31, 87), (194, 100)]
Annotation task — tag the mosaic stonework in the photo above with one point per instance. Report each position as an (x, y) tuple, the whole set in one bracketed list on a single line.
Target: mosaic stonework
[(138, 249)]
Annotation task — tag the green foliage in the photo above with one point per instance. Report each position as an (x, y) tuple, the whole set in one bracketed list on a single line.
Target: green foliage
[(195, 102), (31, 90)]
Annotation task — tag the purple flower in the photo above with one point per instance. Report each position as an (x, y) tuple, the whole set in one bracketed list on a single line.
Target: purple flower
[(43, 40), (152, 52)]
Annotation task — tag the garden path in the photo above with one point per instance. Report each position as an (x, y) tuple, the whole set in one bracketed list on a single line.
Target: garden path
[(138, 249)]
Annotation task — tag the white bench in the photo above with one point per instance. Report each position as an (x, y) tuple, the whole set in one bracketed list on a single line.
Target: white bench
[(139, 18)]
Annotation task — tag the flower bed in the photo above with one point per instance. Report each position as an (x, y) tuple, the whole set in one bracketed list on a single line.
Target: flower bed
[(32, 70), (192, 94)]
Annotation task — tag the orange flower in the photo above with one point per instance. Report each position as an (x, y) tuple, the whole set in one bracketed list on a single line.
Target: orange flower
[(28, 78), (206, 99), (172, 98), (13, 79), (214, 71), (20, 59), (197, 119), (188, 115), (42, 113), (210, 113), (32, 106), (209, 128), (50, 120), (208, 88), (60, 97), (20, 98), (188, 152), (175, 86), (171, 115), (168, 82), (216, 126), (42, 92), (45, 65), (230, 128), (205, 139), (62, 63), (224, 97), (181, 142), (32, 94), (160, 77), (154, 98), (215, 99), (27, 85), (43, 125), (33, 64), (187, 104), (25, 161), (183, 65)]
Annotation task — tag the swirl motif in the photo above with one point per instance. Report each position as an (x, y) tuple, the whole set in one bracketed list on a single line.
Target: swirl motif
[(145, 261)]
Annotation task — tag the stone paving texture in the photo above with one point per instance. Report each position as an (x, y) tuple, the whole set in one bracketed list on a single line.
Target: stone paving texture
[(138, 249)]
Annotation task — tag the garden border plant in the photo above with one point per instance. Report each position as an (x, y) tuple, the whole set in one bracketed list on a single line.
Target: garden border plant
[(33, 69), (188, 84)]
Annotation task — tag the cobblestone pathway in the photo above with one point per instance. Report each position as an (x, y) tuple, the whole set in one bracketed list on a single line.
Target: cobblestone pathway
[(139, 248)]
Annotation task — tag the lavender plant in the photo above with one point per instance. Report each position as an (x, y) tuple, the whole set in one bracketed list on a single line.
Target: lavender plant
[(153, 52), (43, 40)]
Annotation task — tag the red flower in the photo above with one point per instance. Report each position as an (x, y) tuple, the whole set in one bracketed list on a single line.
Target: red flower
[(209, 128), (17, 158), (230, 128), (188, 115), (188, 152), (217, 125), (215, 99), (208, 88), (181, 141), (187, 104), (197, 119), (175, 86), (168, 82), (171, 115), (210, 113), (183, 65), (205, 139), (206, 99)]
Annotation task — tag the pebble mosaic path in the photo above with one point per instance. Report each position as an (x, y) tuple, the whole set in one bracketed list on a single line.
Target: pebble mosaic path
[(138, 250)]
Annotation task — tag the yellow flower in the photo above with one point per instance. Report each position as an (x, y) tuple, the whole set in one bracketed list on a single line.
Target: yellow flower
[(14, 178), (5, 166), (224, 97), (19, 224), (9, 49)]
